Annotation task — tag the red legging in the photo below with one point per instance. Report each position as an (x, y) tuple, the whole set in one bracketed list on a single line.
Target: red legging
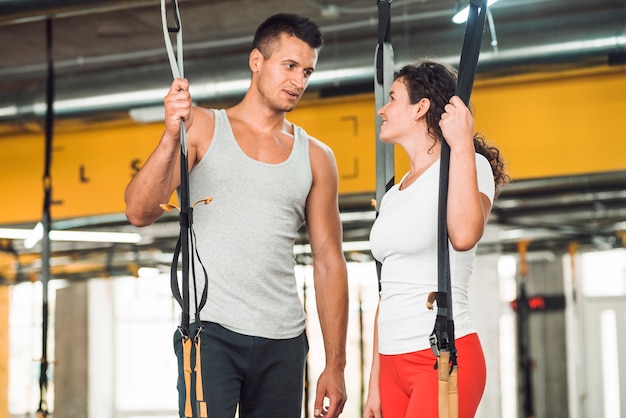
[(409, 382)]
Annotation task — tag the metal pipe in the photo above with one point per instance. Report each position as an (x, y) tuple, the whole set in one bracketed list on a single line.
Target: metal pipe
[(20, 11), (123, 90)]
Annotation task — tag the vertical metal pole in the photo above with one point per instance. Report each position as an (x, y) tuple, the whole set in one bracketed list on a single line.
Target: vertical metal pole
[(382, 85), (361, 356), (527, 408), (307, 394)]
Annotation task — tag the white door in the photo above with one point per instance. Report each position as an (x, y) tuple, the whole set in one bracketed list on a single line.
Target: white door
[(602, 376), (605, 347)]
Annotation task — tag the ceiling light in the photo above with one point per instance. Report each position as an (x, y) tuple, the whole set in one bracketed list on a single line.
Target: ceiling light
[(330, 11), (148, 114), (364, 216), (95, 236), (346, 246), (147, 272), (8, 111), (461, 16), (32, 236)]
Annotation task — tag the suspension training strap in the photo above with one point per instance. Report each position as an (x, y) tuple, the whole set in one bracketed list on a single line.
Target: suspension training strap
[(42, 410), (186, 244), (523, 334), (382, 85), (442, 339)]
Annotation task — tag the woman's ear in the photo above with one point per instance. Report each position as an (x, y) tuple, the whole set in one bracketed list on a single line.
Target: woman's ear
[(422, 107)]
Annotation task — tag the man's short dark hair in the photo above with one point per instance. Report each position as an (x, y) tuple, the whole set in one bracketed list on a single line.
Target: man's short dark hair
[(288, 23)]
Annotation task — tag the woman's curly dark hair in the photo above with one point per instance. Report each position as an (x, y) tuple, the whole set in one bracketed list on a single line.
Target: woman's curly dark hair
[(437, 82)]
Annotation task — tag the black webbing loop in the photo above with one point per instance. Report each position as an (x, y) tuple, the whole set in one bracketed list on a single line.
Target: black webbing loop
[(176, 28), (174, 278), (442, 337), (382, 86)]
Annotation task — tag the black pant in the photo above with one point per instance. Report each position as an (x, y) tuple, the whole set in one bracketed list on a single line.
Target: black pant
[(263, 376)]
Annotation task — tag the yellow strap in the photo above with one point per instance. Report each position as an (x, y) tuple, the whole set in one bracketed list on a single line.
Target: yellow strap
[(453, 394), (187, 373), (448, 396), (443, 368), (202, 410)]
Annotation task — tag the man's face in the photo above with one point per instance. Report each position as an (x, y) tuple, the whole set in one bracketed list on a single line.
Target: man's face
[(283, 77)]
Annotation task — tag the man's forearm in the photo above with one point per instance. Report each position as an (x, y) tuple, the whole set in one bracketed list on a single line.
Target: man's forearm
[(151, 186), (332, 302)]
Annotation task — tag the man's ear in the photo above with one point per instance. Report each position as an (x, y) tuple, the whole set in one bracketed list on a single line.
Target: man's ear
[(255, 60)]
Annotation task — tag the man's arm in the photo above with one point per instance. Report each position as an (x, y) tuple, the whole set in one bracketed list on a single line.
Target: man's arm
[(330, 276), (372, 404), (160, 175)]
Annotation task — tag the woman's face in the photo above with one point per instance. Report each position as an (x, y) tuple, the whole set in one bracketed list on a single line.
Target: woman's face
[(399, 115)]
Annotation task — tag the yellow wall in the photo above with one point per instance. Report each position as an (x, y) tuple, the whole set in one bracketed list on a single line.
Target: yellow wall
[(557, 124), (545, 124), (90, 169)]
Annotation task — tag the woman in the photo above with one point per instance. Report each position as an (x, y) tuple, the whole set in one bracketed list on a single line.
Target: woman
[(422, 109)]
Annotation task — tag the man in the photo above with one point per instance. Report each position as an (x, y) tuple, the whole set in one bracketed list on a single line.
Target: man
[(266, 177)]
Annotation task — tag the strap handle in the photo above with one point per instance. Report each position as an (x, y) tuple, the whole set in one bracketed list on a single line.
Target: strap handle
[(176, 61)]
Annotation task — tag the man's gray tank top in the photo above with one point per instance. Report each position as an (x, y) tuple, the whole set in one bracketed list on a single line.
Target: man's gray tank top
[(246, 235)]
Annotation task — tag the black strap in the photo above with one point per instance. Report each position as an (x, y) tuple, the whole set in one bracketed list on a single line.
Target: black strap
[(42, 410), (186, 244), (442, 337), (382, 85)]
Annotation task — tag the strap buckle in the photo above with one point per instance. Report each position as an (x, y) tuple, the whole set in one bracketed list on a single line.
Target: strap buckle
[(184, 333), (434, 344), (439, 341), (199, 330)]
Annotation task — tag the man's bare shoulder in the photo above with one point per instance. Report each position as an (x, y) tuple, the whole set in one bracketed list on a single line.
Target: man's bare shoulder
[(203, 116), (323, 161), (319, 150), (200, 134)]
